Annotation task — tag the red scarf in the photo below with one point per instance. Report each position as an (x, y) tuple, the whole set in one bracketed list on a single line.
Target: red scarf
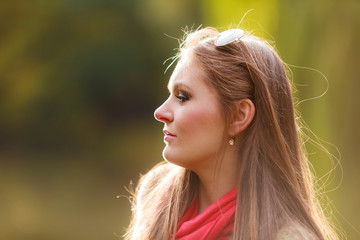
[(216, 222)]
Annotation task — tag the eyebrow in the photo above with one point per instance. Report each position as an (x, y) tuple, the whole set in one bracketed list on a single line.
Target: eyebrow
[(177, 86)]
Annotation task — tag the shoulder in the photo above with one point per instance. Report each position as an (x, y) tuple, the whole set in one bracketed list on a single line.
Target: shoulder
[(157, 180), (294, 232), (155, 175)]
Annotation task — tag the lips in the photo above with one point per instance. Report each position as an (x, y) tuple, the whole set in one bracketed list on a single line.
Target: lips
[(167, 133), (168, 136)]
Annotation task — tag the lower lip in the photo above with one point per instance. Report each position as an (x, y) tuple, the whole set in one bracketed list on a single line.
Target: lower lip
[(168, 137)]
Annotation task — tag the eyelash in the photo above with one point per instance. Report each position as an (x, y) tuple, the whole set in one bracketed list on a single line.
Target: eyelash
[(182, 96)]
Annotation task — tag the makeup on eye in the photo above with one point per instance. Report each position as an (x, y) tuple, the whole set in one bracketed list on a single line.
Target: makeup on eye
[(182, 96)]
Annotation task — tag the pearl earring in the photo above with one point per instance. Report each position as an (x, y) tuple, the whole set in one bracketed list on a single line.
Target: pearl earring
[(232, 141)]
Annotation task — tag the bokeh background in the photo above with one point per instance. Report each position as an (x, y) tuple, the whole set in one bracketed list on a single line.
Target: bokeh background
[(80, 79)]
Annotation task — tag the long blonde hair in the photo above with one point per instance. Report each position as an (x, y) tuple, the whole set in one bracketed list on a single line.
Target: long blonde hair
[(275, 184)]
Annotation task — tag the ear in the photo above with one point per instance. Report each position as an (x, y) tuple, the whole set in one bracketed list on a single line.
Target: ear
[(243, 114)]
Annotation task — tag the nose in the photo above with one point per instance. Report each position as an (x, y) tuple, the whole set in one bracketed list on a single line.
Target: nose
[(164, 113)]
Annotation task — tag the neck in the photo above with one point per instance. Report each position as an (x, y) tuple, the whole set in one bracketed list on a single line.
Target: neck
[(217, 180)]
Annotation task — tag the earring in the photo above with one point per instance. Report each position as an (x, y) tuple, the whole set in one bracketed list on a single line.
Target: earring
[(232, 141)]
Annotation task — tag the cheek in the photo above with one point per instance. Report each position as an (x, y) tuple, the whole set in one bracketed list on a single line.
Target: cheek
[(191, 119), (200, 120)]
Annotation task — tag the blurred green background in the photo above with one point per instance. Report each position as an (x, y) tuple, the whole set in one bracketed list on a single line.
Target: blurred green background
[(80, 79)]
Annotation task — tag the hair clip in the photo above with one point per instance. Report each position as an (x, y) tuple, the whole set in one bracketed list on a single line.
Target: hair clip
[(228, 36)]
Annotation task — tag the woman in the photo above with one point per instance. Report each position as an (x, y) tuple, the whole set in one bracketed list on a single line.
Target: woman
[(235, 167)]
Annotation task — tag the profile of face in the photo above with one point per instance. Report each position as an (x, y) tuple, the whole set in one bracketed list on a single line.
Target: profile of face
[(194, 123)]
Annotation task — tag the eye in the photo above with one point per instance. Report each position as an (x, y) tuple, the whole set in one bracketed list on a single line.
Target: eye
[(182, 96)]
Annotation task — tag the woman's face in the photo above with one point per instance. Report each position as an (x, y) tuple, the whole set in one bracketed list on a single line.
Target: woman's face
[(194, 124)]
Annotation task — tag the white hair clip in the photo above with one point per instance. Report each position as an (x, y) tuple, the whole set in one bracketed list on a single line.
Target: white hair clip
[(228, 36)]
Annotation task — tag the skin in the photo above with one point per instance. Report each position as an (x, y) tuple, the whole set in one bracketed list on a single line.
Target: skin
[(197, 133)]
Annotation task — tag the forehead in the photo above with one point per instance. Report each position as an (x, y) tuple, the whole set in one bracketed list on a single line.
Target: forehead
[(188, 71)]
